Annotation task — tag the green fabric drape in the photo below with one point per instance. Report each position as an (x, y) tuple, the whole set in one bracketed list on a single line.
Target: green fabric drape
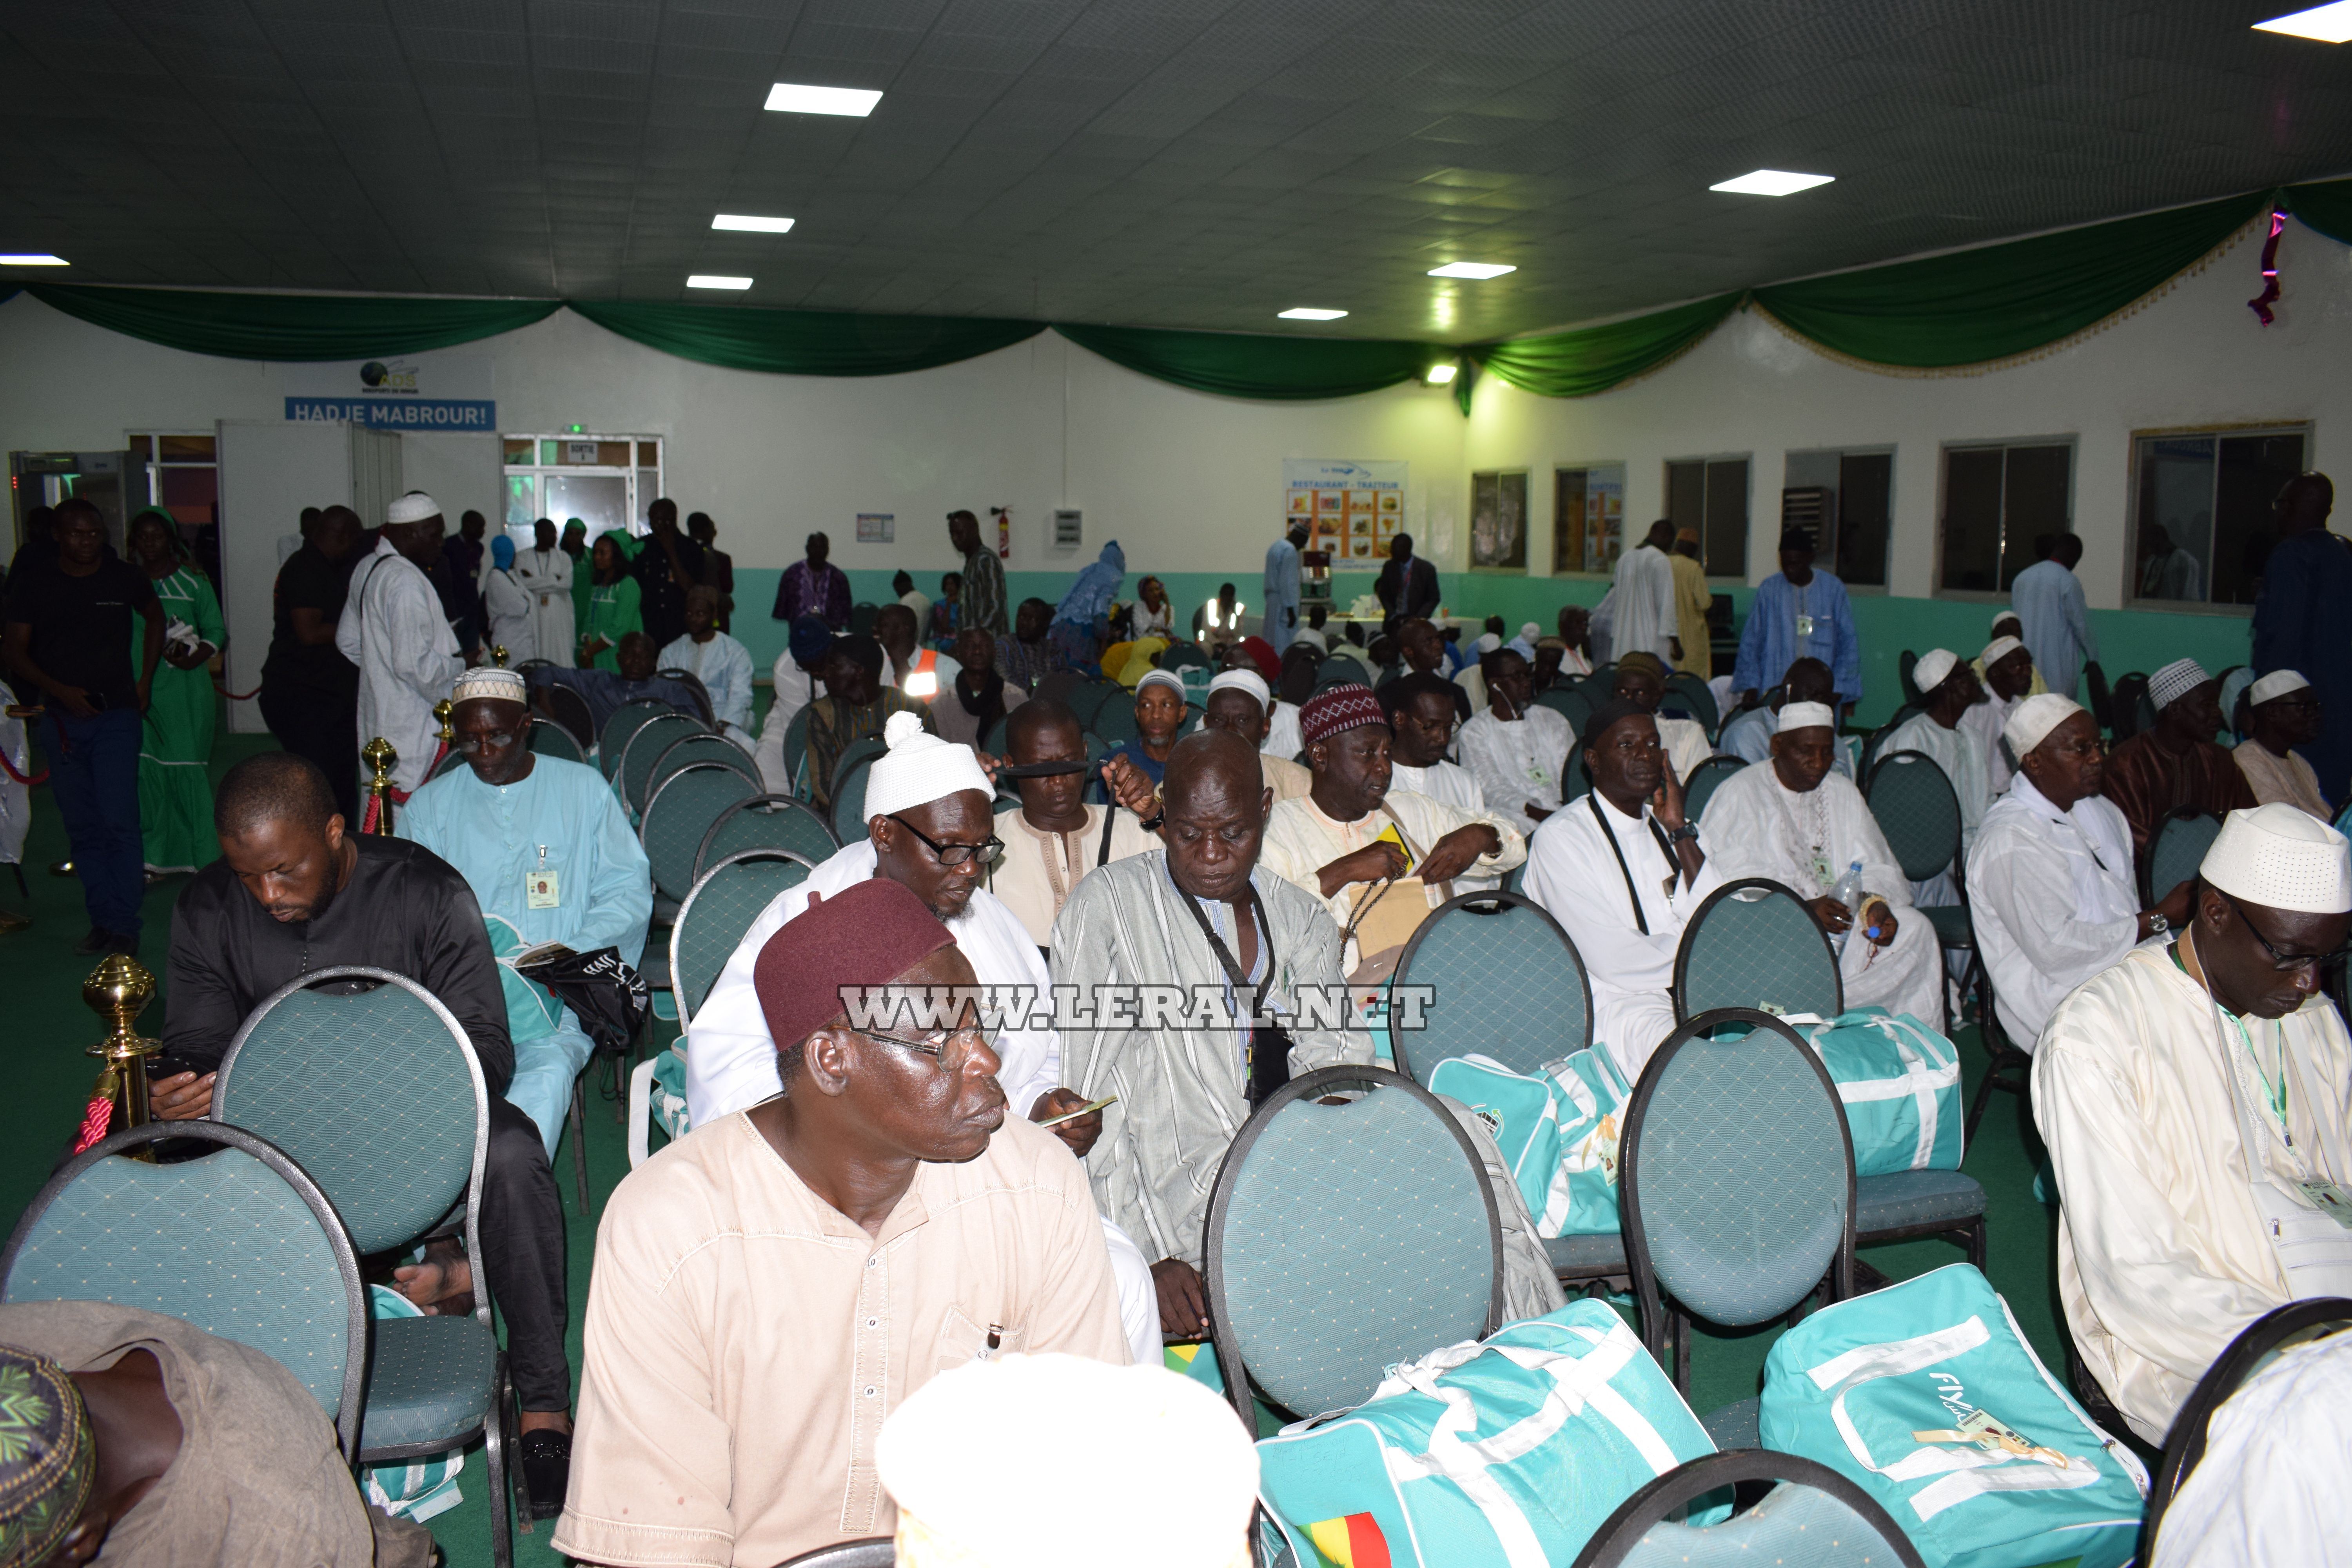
[(805, 343), (2001, 299), (288, 327), (2325, 206), (1594, 359), (1256, 366)]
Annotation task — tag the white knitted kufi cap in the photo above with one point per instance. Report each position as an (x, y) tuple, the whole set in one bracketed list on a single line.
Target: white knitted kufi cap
[(1248, 681), (1998, 650), (1159, 1467), (489, 684), (2277, 683), (1933, 668), (2282, 857), (1488, 642), (1531, 631), (2175, 681), (920, 768), (1167, 678), (414, 507), (1805, 716), (2034, 718)]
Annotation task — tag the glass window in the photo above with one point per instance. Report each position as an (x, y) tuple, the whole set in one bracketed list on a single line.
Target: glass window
[(2202, 525), (1710, 494), (1997, 502), (603, 480), (1843, 500), (600, 500), (523, 500), (1498, 521), (1588, 518)]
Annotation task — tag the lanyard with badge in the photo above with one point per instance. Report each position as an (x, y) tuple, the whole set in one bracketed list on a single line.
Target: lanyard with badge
[(2324, 1197), (542, 887)]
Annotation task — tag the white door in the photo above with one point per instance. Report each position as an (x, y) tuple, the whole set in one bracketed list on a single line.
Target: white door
[(270, 470)]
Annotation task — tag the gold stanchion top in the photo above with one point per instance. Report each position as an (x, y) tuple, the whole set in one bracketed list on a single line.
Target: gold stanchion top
[(441, 711), (117, 990), (498, 655)]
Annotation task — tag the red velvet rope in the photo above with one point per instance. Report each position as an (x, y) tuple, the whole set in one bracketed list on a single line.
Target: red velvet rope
[(2261, 303), (94, 1121), (39, 778), (399, 796)]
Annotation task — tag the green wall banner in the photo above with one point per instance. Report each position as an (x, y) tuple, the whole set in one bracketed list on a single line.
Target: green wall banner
[(805, 343), (290, 327)]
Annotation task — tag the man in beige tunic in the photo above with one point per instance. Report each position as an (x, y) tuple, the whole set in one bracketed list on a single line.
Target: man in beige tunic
[(2195, 1099), (2286, 715)]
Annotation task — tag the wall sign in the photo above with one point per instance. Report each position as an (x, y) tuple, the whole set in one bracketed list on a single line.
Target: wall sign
[(878, 527), (417, 392), (1351, 510)]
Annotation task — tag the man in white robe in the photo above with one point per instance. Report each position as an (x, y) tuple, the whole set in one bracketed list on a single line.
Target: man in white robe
[(796, 681), (545, 572), (1517, 750), (2008, 680), (1792, 819), (1747, 734), (921, 786), (1241, 703), (1646, 618), (1622, 871), (2196, 1102), (719, 662), (1948, 690), (392, 627), (2050, 877)]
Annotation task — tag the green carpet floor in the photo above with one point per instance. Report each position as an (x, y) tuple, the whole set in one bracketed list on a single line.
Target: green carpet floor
[(42, 977)]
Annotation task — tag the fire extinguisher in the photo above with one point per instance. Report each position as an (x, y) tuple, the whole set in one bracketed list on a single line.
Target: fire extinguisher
[(1004, 516)]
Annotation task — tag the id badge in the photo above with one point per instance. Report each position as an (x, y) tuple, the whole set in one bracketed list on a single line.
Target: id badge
[(2328, 1199), (540, 889), (1804, 625)]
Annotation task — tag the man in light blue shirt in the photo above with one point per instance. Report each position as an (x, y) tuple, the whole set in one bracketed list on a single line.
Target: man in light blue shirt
[(544, 845), (1748, 736), (1282, 589), (2048, 598), (1798, 614)]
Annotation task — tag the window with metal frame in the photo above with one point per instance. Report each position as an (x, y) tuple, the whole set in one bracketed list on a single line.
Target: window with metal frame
[(2202, 518)]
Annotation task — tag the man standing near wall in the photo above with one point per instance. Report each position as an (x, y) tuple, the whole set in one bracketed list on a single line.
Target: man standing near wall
[(1282, 588), (983, 576), (2299, 620), (2048, 598), (310, 691), (1692, 602), (1646, 620), (393, 628), (1407, 584), (666, 568), (1799, 613), (813, 586), (68, 637)]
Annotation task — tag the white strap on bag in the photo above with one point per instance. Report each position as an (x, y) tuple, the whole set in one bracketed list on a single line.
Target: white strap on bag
[(1921, 1080)]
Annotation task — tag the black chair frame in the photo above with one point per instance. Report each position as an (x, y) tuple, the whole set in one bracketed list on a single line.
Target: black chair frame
[(1731, 889), (702, 861), (1315, 1085), (1664, 1322), (2147, 896), (2009, 1068), (686, 906), (1623, 1530), (1491, 901), (568, 711), (693, 683)]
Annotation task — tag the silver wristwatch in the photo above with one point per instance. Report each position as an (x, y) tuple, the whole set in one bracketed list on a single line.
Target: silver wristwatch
[(2156, 925)]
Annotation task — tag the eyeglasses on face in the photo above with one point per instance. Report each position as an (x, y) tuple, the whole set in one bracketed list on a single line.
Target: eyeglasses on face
[(937, 1045), (989, 849), (2288, 963)]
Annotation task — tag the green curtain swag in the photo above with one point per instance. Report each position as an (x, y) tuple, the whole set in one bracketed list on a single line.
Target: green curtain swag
[(805, 343), (1254, 365), (1593, 359), (289, 327)]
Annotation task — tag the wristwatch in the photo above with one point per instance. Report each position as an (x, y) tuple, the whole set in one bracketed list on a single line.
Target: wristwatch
[(1687, 830), (2156, 925)]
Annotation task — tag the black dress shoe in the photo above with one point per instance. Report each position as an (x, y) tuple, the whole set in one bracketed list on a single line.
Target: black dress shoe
[(546, 1457), (96, 943), (118, 943)]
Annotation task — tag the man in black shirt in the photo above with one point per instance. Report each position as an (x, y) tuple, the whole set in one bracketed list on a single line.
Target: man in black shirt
[(68, 638), (310, 691), (1407, 585), (294, 892), (666, 568), (717, 566)]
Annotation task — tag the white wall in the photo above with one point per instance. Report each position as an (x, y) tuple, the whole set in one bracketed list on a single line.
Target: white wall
[(270, 471)]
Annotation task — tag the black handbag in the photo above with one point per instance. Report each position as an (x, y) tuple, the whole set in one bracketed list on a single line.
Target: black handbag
[(609, 998)]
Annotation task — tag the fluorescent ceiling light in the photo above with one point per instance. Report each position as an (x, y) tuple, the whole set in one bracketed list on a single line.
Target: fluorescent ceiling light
[(1772, 183), (750, 224), (1439, 374), (1470, 270), (712, 280), (2328, 24), (1309, 313), (797, 98), (33, 260)]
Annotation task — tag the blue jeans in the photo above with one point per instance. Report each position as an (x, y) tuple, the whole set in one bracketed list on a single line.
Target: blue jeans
[(94, 775)]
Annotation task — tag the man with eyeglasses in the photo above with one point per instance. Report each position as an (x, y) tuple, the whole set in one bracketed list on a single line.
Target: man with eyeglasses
[(2049, 876), (931, 828), (2196, 1102), (2286, 716), (770, 1288)]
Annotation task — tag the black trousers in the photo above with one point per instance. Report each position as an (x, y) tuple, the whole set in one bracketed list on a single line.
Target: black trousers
[(522, 1254), (324, 729)]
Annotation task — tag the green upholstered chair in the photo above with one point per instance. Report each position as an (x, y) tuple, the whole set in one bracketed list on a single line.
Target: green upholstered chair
[(766, 822), (551, 738), (1509, 984), (849, 789), (624, 724), (644, 748), (680, 814), (1812, 1515), (569, 711), (1752, 944), (709, 746), (717, 910), (1704, 780)]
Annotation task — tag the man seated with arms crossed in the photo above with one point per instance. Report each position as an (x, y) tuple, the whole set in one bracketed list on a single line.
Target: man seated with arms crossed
[(294, 892), (548, 851), (719, 661), (1517, 750), (1622, 872), (1170, 919), (1053, 838), (2050, 879), (2197, 1101), (928, 828), (1241, 703), (770, 1288), (1354, 832), (1747, 734), (1793, 820)]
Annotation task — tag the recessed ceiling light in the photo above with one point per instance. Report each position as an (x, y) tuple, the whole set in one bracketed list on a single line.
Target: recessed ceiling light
[(713, 281), (1772, 183), (1309, 313), (1471, 269), (752, 224), (1439, 374), (797, 98), (33, 260), (2328, 24)]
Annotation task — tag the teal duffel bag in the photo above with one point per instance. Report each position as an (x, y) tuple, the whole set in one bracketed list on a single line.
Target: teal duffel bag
[(1559, 1130), (1507, 1452), (1900, 1082), (1927, 1397)]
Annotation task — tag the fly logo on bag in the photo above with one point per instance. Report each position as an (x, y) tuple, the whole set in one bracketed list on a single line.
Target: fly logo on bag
[(1947, 1389)]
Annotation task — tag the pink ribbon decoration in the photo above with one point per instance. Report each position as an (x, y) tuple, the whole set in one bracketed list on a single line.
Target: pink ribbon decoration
[(2261, 304)]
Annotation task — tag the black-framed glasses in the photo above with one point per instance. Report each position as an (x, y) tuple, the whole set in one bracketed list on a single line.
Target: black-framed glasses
[(2288, 963), (990, 848), (473, 745), (935, 1046)]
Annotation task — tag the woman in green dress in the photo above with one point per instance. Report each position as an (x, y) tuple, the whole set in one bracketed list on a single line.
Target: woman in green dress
[(583, 580), (612, 602), (175, 748)]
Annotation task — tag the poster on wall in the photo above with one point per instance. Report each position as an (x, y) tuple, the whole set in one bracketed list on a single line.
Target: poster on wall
[(1498, 521), (1351, 510), (878, 527), (397, 392)]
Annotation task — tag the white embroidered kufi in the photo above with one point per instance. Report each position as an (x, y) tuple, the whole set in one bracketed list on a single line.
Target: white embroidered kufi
[(920, 768), (1248, 681), (1933, 668), (2175, 681), (2277, 683), (1998, 650), (1160, 1466), (489, 684), (2281, 858), (2034, 718), (1530, 631), (1167, 678), (1488, 642), (1805, 716), (414, 507), (2004, 618)]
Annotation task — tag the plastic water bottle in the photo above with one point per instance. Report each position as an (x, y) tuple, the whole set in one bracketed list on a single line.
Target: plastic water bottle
[(1848, 888)]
